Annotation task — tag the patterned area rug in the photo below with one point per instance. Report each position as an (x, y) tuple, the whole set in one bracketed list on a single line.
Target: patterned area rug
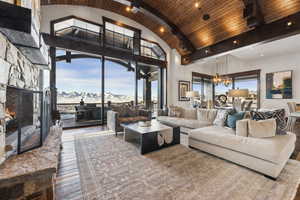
[(113, 169)]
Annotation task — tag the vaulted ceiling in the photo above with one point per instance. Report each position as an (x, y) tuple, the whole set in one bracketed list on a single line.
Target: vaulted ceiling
[(226, 17)]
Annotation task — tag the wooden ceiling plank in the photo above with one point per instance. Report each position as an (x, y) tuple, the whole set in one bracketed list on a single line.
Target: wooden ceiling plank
[(226, 17), (262, 34)]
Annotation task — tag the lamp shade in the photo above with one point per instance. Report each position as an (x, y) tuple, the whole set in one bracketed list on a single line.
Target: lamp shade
[(192, 94), (238, 93)]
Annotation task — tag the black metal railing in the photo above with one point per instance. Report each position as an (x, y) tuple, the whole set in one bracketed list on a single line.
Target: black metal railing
[(79, 33), (113, 39), (119, 40)]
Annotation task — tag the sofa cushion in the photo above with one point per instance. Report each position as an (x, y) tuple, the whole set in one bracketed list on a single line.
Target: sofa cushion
[(207, 115), (221, 118), (274, 149), (182, 122), (233, 118), (262, 128), (175, 111), (189, 113), (279, 115), (242, 127), (121, 110)]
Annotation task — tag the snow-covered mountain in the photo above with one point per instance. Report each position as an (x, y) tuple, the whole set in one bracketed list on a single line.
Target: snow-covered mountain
[(75, 97)]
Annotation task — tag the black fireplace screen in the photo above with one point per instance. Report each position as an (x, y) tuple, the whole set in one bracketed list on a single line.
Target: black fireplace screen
[(24, 120)]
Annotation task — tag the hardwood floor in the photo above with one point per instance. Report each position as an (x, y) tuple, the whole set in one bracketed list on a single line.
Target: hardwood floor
[(68, 179)]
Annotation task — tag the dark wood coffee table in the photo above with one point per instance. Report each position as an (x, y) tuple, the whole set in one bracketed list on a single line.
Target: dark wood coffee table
[(147, 137)]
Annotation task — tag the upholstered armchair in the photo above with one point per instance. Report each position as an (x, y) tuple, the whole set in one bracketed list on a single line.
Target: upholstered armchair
[(125, 114)]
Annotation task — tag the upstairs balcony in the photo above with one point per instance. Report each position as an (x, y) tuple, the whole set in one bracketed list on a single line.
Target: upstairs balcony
[(112, 36)]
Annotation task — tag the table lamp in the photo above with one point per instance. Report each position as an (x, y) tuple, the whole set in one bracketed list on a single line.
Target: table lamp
[(237, 94), (192, 95)]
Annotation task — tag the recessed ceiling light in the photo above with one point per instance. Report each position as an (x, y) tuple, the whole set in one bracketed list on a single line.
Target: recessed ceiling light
[(197, 4), (206, 17), (289, 23), (162, 29), (128, 8)]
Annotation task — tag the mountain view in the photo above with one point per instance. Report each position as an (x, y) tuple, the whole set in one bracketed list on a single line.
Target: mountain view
[(88, 97)]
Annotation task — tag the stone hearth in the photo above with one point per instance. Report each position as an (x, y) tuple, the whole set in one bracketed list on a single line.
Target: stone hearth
[(31, 175)]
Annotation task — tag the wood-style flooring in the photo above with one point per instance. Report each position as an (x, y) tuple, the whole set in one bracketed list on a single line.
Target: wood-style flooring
[(68, 180)]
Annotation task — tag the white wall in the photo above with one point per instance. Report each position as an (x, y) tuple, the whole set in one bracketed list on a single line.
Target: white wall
[(182, 72), (267, 65)]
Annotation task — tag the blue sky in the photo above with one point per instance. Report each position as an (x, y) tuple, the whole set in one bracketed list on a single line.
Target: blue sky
[(84, 75), (251, 85)]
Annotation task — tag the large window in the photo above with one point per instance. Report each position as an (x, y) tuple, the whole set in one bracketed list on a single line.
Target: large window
[(119, 83), (221, 95), (250, 83), (244, 80), (203, 85), (79, 91)]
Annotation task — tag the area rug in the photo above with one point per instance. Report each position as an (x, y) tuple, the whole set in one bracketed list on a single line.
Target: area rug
[(113, 169)]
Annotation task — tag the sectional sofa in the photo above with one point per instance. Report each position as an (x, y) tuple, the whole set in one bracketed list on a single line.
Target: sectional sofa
[(265, 155)]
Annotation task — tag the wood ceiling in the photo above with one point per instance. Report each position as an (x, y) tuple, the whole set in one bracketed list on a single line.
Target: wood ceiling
[(226, 17)]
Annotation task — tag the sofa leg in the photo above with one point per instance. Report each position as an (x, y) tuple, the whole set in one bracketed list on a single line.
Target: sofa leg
[(270, 177)]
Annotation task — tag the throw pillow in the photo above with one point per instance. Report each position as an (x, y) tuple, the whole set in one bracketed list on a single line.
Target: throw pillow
[(262, 128), (233, 118), (242, 127), (279, 115), (221, 118), (207, 115)]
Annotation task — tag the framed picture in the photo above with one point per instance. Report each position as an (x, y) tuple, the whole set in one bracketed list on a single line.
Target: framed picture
[(279, 85), (183, 88)]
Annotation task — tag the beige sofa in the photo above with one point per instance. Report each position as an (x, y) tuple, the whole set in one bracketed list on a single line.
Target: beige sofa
[(265, 155)]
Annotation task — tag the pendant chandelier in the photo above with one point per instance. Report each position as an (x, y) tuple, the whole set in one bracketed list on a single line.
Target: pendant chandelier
[(222, 79)]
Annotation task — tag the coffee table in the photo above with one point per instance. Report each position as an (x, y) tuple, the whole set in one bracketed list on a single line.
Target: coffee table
[(147, 137)]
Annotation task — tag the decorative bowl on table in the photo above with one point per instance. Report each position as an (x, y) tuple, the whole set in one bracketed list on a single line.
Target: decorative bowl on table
[(144, 123)]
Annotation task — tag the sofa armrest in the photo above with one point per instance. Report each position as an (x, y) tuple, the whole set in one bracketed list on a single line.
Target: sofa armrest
[(112, 120)]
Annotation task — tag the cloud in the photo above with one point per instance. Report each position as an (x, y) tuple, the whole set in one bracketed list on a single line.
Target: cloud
[(69, 79)]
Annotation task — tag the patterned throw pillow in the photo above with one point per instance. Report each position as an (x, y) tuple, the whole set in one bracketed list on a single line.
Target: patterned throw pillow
[(221, 118), (279, 115)]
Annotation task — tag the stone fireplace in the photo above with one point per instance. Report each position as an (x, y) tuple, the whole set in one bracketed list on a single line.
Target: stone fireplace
[(25, 112), (20, 81), (23, 120)]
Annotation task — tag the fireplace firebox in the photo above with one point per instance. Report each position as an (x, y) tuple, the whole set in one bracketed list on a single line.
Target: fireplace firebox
[(24, 120)]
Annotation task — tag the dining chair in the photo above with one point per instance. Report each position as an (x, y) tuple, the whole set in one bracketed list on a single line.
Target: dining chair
[(291, 124), (247, 105)]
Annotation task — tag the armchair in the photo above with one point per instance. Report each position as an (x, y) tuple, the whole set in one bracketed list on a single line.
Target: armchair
[(125, 114)]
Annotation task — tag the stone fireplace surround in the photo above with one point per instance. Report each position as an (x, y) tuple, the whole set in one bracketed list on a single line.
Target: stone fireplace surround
[(17, 71), (30, 175)]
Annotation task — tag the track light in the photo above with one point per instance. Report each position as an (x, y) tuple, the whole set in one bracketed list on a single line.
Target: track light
[(128, 9)]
